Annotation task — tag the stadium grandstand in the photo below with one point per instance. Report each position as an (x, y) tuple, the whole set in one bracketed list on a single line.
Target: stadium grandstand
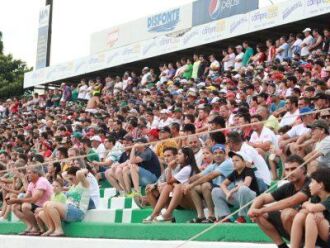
[(205, 126)]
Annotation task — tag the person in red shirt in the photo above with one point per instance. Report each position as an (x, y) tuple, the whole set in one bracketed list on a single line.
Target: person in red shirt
[(271, 50)]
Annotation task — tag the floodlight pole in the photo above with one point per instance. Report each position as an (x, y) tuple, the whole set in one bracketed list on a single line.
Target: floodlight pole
[(49, 41)]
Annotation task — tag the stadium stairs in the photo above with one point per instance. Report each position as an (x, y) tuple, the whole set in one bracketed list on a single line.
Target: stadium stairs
[(120, 218)]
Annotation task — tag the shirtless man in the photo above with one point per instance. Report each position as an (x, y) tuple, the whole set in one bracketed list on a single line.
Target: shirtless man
[(93, 103)]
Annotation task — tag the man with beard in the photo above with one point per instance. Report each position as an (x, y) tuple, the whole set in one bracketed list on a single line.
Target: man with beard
[(276, 219)]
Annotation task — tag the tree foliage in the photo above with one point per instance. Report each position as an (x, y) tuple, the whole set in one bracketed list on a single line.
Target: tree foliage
[(11, 74)]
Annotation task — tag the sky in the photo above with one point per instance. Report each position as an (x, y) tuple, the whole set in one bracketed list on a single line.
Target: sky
[(73, 23)]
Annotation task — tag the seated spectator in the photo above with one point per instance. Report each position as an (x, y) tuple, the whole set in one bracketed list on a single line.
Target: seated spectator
[(38, 192), (57, 196), (262, 139), (154, 190), (313, 220), (235, 143), (320, 156), (201, 185), (143, 168), (75, 207), (276, 219), (245, 189), (188, 168)]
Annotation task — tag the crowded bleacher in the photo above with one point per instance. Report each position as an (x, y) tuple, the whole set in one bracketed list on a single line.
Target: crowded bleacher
[(210, 133)]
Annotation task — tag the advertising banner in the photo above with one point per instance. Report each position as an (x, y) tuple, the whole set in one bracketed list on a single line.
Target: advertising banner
[(264, 18), (44, 15), (146, 28), (317, 7), (292, 10), (275, 15), (205, 11)]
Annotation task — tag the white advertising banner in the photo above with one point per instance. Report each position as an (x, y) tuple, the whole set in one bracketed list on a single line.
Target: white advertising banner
[(317, 7), (275, 15), (264, 18), (142, 29)]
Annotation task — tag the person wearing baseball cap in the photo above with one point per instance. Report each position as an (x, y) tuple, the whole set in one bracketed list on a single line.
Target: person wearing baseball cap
[(321, 154), (98, 146), (245, 188), (202, 184), (321, 101), (306, 42)]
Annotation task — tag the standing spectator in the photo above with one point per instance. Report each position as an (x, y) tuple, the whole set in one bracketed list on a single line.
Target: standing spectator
[(296, 46), (239, 57), (271, 53), (247, 54), (196, 66), (317, 41), (260, 57), (229, 59), (66, 93), (326, 42), (283, 50), (214, 67), (307, 42), (203, 67), (188, 70)]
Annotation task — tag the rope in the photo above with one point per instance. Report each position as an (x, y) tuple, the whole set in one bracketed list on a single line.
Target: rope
[(158, 141), (235, 212)]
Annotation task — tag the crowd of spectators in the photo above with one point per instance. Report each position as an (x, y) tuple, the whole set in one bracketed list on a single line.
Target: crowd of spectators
[(206, 132)]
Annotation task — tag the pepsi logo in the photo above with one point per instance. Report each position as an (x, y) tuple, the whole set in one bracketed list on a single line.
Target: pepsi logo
[(214, 9)]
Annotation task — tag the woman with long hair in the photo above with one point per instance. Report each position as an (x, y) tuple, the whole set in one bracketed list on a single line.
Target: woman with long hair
[(74, 210), (172, 195)]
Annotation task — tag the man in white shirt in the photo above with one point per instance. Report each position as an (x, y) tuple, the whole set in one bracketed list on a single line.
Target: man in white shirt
[(239, 57), (214, 66), (283, 50), (294, 138), (262, 138), (235, 142), (230, 59), (164, 120), (292, 112), (99, 147), (308, 41)]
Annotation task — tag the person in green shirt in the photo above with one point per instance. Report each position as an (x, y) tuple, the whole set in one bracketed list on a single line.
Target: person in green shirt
[(91, 153), (75, 93), (57, 196), (196, 65), (248, 53), (188, 70)]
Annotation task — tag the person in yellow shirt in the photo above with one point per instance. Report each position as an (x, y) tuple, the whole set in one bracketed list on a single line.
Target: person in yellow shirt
[(164, 133)]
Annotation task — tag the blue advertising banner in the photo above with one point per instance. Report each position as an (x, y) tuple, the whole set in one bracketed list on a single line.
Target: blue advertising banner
[(205, 11)]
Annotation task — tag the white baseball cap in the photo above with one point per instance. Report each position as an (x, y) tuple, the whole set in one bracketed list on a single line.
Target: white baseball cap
[(306, 30), (96, 138)]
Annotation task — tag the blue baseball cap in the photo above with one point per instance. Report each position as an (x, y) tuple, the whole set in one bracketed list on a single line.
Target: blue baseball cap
[(305, 110), (218, 147)]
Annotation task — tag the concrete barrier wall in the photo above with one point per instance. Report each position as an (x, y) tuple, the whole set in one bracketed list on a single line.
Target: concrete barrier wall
[(7, 241)]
